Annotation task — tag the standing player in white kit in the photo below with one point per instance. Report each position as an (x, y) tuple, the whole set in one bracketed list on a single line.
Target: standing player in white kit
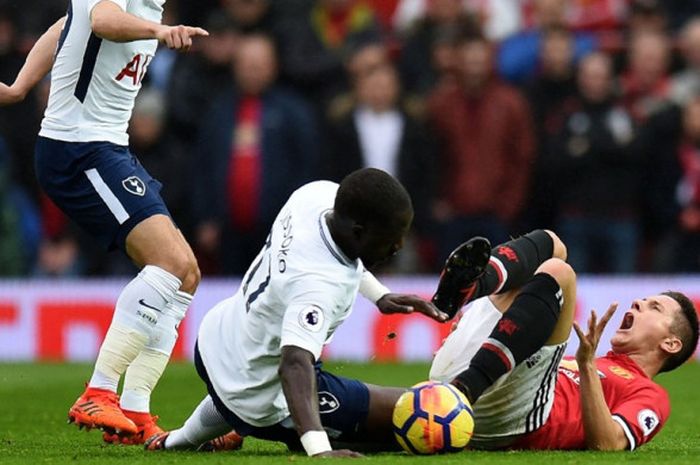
[(98, 55)]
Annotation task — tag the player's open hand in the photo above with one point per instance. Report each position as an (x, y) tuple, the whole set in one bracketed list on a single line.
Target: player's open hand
[(179, 37), (588, 343), (9, 95), (405, 303), (340, 453)]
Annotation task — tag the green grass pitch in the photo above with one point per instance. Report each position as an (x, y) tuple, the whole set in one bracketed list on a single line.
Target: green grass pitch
[(34, 400)]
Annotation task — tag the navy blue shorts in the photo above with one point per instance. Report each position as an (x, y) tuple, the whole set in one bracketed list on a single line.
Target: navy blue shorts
[(343, 405), (99, 185)]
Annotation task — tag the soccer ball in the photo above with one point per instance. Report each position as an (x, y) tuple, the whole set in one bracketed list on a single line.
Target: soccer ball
[(432, 418)]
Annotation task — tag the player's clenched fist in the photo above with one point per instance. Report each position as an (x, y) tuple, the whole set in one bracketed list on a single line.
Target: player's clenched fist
[(179, 37)]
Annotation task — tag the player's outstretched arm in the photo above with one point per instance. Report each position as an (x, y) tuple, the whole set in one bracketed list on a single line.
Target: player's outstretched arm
[(37, 65), (299, 386), (601, 431), (388, 302), (110, 22)]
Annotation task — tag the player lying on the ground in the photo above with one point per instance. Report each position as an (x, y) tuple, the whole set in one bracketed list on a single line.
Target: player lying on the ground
[(505, 355), (98, 55), (258, 351), (356, 413)]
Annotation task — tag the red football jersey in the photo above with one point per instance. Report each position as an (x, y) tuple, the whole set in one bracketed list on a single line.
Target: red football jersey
[(636, 403)]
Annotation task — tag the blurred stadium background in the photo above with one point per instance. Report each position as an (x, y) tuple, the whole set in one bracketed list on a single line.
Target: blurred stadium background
[(499, 116)]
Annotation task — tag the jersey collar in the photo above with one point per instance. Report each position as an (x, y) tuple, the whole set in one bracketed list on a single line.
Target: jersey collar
[(329, 242)]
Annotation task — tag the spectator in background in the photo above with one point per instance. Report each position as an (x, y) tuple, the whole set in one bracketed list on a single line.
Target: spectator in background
[(249, 15), (257, 143), (11, 257), (313, 45), (646, 84), (647, 16), (679, 11), (162, 155), (198, 77), (498, 18), (19, 123), (599, 174), (673, 143), (555, 84), (379, 131), (517, 59), (486, 150), (686, 84), (428, 48)]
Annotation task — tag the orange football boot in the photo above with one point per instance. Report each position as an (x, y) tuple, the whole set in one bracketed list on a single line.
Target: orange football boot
[(146, 427), (228, 441), (99, 408)]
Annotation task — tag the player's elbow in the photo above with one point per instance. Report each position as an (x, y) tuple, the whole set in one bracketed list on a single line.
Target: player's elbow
[(607, 444), (605, 447)]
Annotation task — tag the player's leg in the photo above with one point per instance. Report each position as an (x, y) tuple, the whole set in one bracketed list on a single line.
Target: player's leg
[(159, 245), (508, 267), (531, 321), (203, 425), (150, 308)]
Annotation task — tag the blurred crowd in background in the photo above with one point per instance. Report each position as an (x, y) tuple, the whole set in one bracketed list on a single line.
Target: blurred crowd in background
[(499, 116)]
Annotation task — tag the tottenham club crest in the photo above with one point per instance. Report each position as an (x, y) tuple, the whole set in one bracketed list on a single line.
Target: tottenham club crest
[(311, 319), (327, 402), (134, 185)]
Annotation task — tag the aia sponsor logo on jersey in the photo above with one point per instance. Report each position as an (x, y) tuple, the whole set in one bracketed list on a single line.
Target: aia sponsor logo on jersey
[(311, 319), (648, 420), (135, 69)]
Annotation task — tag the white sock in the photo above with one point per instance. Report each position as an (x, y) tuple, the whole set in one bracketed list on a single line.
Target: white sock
[(135, 317), (145, 371), (204, 423)]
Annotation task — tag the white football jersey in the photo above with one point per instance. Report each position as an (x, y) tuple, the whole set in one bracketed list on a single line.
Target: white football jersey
[(298, 290), (94, 82)]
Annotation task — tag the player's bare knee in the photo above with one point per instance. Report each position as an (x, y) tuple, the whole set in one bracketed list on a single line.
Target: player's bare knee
[(561, 271), (192, 275), (559, 248), (184, 267)]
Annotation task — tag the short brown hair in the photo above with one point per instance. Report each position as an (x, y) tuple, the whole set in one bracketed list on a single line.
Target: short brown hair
[(685, 327)]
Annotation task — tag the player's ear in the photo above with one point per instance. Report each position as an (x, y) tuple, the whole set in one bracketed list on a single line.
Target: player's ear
[(672, 345), (358, 231)]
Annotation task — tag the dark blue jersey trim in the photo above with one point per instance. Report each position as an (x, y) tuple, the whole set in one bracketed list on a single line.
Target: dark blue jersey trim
[(89, 60)]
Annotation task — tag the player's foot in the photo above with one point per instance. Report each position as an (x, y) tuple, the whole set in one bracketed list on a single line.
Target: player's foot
[(228, 441), (147, 427), (156, 442), (463, 267), (99, 408)]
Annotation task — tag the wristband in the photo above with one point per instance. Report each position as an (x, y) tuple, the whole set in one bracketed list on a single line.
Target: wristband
[(371, 288), (315, 442)]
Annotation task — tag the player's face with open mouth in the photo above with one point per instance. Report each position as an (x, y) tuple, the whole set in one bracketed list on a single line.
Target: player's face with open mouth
[(646, 324)]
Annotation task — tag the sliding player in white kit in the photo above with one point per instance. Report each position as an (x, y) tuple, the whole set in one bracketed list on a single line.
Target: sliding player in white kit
[(258, 351), (98, 55)]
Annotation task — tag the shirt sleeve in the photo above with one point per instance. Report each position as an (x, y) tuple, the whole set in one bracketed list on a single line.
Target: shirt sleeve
[(306, 326), (643, 415), (91, 4)]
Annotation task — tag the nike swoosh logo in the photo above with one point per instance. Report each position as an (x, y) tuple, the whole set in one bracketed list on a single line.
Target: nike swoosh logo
[(142, 302)]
